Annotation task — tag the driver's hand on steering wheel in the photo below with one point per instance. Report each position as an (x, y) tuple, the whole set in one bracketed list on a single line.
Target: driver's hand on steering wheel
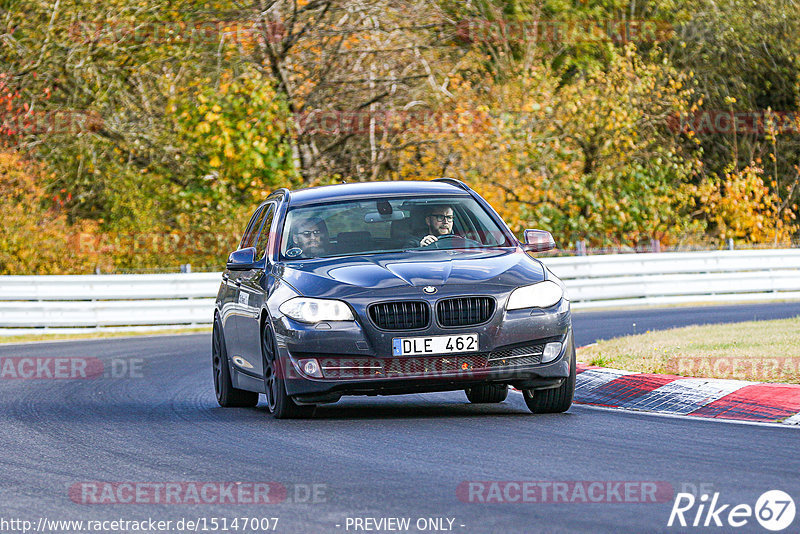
[(427, 240)]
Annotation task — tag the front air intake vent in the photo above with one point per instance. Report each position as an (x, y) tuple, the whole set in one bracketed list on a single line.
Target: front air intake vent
[(400, 315), (464, 311)]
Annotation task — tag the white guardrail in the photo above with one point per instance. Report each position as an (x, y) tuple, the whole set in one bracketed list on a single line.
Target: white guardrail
[(30, 304)]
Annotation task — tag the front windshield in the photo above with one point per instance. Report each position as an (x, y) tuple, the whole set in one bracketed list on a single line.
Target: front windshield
[(389, 225)]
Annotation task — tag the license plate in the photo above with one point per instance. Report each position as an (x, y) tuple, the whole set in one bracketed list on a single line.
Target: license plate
[(412, 346)]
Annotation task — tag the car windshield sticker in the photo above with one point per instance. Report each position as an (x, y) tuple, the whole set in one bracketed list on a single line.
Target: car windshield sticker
[(293, 252)]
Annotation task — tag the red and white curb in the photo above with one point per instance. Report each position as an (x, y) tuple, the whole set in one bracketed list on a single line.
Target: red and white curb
[(694, 397)]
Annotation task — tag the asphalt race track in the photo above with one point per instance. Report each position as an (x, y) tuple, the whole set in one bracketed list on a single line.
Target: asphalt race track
[(157, 421)]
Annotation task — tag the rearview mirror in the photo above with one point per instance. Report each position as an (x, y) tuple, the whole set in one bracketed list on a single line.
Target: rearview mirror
[(538, 241), (374, 217), (242, 259)]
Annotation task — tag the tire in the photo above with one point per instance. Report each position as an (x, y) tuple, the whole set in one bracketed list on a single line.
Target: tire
[(279, 403), (227, 395), (554, 400), (487, 393)]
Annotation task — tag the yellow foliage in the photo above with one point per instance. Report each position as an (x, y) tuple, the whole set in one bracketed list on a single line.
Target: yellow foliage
[(742, 207), (581, 159)]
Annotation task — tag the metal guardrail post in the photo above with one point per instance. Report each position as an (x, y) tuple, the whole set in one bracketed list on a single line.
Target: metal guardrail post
[(655, 245)]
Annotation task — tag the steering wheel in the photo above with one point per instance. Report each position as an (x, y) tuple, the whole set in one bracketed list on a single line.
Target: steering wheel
[(466, 240)]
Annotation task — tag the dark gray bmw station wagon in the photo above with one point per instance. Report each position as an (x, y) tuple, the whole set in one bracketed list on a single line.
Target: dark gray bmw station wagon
[(388, 288)]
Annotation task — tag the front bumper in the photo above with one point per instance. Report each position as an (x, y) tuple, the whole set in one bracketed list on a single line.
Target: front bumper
[(361, 356)]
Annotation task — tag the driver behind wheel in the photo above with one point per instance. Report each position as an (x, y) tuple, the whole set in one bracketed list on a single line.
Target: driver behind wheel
[(439, 221)]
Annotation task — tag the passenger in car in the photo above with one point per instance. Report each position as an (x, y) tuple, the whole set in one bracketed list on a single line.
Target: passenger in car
[(310, 238)]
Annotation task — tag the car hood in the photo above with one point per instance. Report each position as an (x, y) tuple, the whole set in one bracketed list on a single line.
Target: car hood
[(496, 269)]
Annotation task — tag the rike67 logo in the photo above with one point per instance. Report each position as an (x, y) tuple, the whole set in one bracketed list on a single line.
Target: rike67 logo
[(774, 510)]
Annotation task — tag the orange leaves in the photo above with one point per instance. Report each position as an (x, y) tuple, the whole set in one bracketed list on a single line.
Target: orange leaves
[(35, 235)]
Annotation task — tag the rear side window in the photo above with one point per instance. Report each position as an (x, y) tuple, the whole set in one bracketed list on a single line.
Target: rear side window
[(263, 236)]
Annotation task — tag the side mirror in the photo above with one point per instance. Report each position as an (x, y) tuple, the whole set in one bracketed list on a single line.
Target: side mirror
[(242, 259), (538, 241)]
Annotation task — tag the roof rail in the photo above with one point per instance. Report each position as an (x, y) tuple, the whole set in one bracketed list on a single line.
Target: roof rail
[(283, 190), (453, 181)]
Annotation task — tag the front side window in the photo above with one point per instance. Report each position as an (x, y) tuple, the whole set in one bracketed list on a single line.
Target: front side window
[(251, 233), (389, 225)]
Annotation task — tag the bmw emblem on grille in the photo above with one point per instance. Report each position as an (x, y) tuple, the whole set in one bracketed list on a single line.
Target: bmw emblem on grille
[(430, 290)]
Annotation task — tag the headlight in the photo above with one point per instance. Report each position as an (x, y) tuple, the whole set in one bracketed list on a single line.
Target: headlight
[(308, 310), (541, 295)]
